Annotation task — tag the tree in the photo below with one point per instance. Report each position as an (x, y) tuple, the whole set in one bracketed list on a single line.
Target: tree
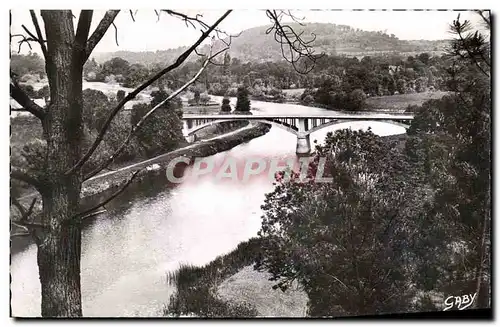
[(226, 107), (116, 66), (349, 242), (242, 101), (57, 175), (197, 96), (44, 93), (204, 99), (401, 86), (120, 95), (95, 108), (134, 74), (91, 66), (59, 165), (463, 200), (356, 99)]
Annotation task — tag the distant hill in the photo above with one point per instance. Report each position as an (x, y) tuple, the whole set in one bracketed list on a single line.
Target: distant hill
[(255, 45)]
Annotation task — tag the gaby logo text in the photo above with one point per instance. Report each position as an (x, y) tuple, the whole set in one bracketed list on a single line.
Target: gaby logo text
[(459, 302)]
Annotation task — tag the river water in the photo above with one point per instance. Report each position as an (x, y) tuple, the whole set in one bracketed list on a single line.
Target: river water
[(153, 228)]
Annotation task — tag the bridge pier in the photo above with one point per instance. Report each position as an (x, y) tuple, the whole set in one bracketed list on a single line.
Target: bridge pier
[(303, 140), (303, 145)]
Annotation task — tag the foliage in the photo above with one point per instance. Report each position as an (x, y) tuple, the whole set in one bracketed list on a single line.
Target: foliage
[(31, 63), (95, 108), (116, 66), (120, 95), (29, 90), (134, 75), (44, 92), (402, 218), (162, 131), (204, 99), (349, 242), (91, 67), (225, 107), (242, 101)]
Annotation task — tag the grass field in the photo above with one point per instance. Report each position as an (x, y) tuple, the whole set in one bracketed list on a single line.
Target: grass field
[(402, 101)]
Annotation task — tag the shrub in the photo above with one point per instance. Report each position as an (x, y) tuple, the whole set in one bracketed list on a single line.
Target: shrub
[(356, 99), (162, 131), (242, 103), (226, 107), (95, 108)]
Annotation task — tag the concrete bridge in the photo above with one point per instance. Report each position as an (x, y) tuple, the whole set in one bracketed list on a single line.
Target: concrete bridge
[(300, 125)]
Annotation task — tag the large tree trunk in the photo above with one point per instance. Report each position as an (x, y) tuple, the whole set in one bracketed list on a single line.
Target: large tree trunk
[(59, 256), (59, 250)]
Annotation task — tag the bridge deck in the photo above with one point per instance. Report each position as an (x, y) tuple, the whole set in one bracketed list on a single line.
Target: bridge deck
[(363, 116)]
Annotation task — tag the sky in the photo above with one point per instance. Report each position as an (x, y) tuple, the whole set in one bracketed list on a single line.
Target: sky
[(148, 33)]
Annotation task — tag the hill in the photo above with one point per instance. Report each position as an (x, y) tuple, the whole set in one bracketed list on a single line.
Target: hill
[(255, 45)]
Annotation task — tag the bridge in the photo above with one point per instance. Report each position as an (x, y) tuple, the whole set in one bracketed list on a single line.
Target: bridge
[(300, 125)]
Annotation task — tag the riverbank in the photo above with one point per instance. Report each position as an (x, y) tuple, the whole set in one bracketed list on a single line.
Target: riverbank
[(397, 103), (154, 166), (230, 287)]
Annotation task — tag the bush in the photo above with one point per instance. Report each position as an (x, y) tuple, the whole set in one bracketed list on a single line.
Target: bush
[(226, 107), (95, 108), (356, 100), (120, 95), (29, 90), (242, 103), (44, 92), (162, 131)]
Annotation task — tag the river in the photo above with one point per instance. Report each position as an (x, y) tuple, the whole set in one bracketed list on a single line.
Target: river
[(152, 228)]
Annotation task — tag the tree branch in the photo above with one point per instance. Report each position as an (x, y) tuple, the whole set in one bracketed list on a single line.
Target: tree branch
[(24, 214), (39, 33), (99, 32), (24, 100), (136, 127), (143, 86), (90, 212), (20, 234), (82, 30), (24, 177), (293, 42)]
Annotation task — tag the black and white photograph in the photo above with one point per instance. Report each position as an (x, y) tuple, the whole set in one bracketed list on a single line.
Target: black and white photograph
[(250, 163)]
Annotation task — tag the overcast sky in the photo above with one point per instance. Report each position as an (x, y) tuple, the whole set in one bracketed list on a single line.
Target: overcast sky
[(149, 34)]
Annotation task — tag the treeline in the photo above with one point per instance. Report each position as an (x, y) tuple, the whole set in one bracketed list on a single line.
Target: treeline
[(331, 83), (335, 82), (31, 63)]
